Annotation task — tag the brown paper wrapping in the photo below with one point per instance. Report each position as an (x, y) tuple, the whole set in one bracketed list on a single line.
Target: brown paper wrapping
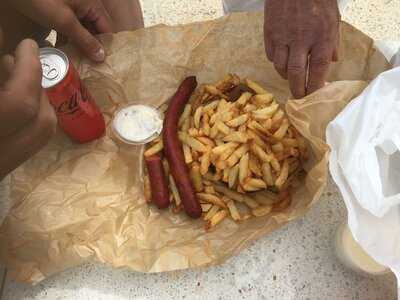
[(74, 203)]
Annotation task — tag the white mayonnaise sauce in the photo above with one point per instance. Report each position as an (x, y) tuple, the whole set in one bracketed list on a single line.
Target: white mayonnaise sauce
[(138, 123)]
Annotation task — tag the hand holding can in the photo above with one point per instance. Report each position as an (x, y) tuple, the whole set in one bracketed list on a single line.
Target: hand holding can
[(76, 110)]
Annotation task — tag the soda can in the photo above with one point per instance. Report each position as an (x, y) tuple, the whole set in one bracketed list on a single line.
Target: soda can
[(78, 115)]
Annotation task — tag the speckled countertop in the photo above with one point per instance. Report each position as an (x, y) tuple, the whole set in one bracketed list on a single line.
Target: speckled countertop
[(295, 262)]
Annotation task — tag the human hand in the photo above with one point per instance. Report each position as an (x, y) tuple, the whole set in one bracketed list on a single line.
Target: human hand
[(301, 39), (27, 121), (77, 20)]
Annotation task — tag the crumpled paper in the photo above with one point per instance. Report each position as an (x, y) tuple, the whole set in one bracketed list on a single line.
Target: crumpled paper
[(73, 203)]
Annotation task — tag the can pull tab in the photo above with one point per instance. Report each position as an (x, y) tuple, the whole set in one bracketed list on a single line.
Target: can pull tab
[(50, 70)]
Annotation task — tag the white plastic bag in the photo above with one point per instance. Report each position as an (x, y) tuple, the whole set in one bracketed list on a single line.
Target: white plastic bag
[(365, 164)]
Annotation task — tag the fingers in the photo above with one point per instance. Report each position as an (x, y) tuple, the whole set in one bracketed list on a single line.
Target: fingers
[(297, 70), (98, 16), (82, 38), (281, 55), (319, 63), (6, 66), (16, 149), (27, 71), (335, 56)]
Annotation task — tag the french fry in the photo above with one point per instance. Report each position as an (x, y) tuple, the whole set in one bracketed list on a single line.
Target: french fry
[(263, 99), (280, 133), (239, 137), (163, 108), (238, 121), (214, 131), (210, 190), (222, 127), (210, 106), (226, 81), (255, 87), (154, 149), (245, 217), (257, 127), (216, 219), (242, 128), (278, 116), (225, 147), (195, 155), (290, 142), (243, 167), (233, 176), (233, 210), (209, 198), (237, 154), (243, 99), (256, 183), (187, 154), (213, 90), (196, 178), (267, 124), (283, 176), (147, 189), (193, 132), (260, 153), (293, 166), (186, 113), (225, 176), (207, 183), (222, 105), (249, 108), (224, 156), (267, 174), (166, 166), (205, 207), (206, 141), (186, 125), (261, 211), (278, 147), (265, 113), (230, 193), (197, 116), (205, 163), (250, 202), (195, 144), (265, 198), (254, 166), (212, 211), (174, 190), (221, 164), (275, 165), (254, 136)]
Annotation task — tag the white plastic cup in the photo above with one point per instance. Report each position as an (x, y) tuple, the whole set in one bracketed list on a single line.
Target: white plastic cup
[(350, 253)]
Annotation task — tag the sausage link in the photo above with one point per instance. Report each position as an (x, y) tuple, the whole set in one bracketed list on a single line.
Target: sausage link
[(173, 147), (158, 181)]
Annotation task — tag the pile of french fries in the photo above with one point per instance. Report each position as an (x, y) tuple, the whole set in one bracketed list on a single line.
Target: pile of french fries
[(242, 151)]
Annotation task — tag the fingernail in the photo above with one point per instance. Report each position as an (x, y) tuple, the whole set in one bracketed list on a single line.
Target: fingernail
[(100, 55)]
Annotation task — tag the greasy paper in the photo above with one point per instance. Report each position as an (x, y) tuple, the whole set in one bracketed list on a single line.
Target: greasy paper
[(73, 203)]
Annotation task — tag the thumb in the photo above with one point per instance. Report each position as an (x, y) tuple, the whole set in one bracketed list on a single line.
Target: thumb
[(84, 40)]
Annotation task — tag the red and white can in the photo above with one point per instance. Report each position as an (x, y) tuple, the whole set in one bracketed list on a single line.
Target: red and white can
[(77, 112)]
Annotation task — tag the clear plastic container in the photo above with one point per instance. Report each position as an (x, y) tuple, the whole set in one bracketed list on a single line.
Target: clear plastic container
[(137, 124), (350, 253)]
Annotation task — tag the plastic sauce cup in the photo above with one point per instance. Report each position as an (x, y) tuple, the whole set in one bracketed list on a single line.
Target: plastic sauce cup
[(350, 253), (137, 124)]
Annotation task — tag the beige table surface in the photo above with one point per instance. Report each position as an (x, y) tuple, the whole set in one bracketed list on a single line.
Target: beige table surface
[(296, 262)]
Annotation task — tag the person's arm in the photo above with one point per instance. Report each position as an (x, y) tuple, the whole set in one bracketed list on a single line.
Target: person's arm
[(27, 121), (301, 39)]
